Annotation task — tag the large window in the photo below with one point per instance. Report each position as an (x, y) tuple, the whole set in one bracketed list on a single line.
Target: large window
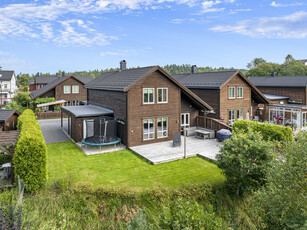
[(231, 116), (240, 114), (148, 129), (240, 92), (5, 86), (148, 96), (231, 92), (162, 127), (162, 95), (305, 119), (67, 89), (75, 89)]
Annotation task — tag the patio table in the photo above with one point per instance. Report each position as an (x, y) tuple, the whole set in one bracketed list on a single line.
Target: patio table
[(202, 133)]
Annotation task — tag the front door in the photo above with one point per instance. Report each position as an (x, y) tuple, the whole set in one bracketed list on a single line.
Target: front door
[(185, 120)]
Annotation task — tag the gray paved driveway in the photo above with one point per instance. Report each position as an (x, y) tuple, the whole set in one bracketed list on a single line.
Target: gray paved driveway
[(52, 131)]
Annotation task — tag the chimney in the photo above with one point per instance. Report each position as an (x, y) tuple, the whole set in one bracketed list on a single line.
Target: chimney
[(63, 74), (122, 65), (273, 73), (193, 69)]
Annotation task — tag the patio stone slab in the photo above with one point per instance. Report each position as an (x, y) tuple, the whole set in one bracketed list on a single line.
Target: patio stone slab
[(162, 152)]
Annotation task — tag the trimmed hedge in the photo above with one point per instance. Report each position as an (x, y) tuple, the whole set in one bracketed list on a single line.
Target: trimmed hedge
[(30, 157), (268, 131)]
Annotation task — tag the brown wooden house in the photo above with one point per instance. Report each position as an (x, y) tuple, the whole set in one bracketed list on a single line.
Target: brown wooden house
[(8, 119), (230, 93), (287, 96), (68, 88), (149, 102)]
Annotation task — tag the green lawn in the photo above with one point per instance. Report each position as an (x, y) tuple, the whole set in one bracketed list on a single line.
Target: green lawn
[(125, 169)]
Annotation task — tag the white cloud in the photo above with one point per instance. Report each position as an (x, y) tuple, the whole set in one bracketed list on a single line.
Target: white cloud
[(235, 11), (214, 6), (9, 61), (290, 26), (177, 21), (41, 19), (274, 4)]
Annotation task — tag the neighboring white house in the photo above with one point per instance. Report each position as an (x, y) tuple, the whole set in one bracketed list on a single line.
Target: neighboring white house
[(303, 61), (8, 87)]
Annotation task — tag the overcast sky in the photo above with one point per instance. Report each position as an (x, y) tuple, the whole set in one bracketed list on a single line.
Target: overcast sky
[(75, 35)]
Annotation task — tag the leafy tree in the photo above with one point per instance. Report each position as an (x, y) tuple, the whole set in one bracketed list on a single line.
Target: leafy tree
[(290, 67), (23, 79), (189, 215), (289, 58), (245, 159), (263, 69), (255, 62), (22, 98), (282, 203)]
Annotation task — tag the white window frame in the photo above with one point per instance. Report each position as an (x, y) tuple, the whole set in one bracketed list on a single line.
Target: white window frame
[(230, 89), (153, 96), (162, 96), (164, 130), (238, 95), (72, 89), (232, 117), (67, 86), (185, 125), (150, 121), (240, 112)]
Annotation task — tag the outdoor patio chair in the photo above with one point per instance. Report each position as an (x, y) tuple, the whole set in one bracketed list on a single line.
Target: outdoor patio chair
[(177, 139)]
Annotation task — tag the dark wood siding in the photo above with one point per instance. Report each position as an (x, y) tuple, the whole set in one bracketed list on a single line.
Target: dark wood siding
[(188, 107), (212, 97), (298, 93), (50, 93), (115, 100), (10, 124), (110, 99)]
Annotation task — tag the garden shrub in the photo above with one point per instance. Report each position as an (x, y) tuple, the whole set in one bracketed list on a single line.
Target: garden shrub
[(267, 131), (245, 159), (282, 203), (4, 159), (140, 222), (189, 215), (30, 152)]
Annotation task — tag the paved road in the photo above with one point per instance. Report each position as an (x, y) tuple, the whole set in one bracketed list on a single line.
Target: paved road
[(52, 131)]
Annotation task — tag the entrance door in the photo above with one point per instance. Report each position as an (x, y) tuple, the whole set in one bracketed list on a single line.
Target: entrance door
[(185, 120)]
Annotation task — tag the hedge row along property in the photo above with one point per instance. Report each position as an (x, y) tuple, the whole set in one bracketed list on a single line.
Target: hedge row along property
[(268, 131), (30, 157)]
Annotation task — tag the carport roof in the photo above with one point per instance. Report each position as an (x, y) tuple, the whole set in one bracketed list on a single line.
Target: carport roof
[(86, 111)]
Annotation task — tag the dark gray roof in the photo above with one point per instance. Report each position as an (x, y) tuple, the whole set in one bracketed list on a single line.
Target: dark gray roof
[(42, 79), (275, 97), (118, 80), (280, 81), (84, 79), (5, 114), (86, 110), (212, 80), (6, 75), (52, 84)]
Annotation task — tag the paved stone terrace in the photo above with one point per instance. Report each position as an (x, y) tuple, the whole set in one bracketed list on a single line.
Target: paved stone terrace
[(165, 152), (52, 131)]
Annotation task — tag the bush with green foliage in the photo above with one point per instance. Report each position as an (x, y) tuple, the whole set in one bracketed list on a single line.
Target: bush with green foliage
[(282, 203), (44, 100), (30, 155), (267, 131), (140, 222), (245, 159), (4, 159), (10, 219), (189, 215)]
